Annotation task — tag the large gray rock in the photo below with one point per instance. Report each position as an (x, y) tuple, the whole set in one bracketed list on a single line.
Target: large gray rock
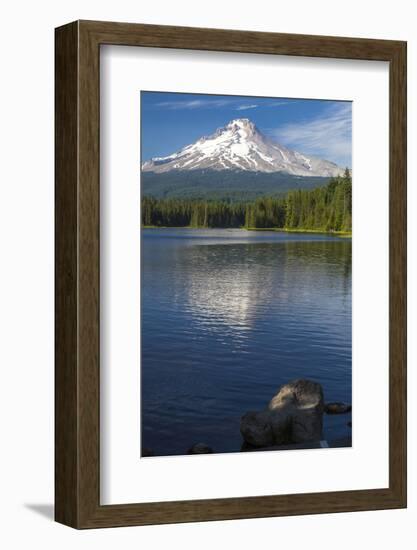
[(281, 421), (294, 415), (256, 428), (307, 425), (300, 393)]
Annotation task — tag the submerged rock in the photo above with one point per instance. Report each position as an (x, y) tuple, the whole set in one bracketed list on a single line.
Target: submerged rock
[(199, 449), (146, 451), (294, 415), (337, 408)]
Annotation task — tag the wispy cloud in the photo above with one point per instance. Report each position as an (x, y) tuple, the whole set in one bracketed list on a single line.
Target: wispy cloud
[(280, 103), (195, 104), (328, 136), (213, 103), (245, 107)]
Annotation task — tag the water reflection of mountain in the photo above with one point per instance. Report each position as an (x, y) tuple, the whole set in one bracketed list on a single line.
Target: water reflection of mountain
[(232, 285)]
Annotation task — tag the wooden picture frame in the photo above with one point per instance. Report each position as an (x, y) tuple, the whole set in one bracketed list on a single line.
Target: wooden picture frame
[(77, 408)]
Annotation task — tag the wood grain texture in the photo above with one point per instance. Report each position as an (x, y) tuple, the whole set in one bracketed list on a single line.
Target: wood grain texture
[(66, 238), (398, 273), (78, 284)]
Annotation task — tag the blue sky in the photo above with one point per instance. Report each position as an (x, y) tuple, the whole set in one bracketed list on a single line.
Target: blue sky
[(316, 127)]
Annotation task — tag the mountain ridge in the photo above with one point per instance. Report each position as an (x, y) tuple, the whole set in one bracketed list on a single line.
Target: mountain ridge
[(241, 146)]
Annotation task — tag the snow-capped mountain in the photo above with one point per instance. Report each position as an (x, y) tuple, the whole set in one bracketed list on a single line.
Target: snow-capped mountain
[(241, 146)]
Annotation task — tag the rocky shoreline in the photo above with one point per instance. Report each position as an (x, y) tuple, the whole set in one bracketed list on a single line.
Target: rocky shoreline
[(293, 419)]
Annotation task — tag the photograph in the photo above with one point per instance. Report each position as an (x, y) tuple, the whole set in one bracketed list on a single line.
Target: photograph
[(246, 273)]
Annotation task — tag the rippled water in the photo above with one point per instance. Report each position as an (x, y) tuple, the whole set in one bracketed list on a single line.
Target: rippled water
[(230, 315)]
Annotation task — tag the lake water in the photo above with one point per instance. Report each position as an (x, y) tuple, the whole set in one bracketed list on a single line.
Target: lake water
[(230, 315)]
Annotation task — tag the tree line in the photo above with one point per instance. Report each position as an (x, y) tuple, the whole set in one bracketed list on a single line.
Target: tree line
[(327, 208)]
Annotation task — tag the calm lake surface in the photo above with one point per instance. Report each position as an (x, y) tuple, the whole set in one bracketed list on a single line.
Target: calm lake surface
[(227, 317)]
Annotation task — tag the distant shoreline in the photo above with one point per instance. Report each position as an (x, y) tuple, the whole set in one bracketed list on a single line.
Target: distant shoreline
[(283, 230), (274, 229)]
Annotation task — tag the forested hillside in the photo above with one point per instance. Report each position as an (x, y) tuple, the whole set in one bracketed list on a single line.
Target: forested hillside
[(224, 185), (327, 208)]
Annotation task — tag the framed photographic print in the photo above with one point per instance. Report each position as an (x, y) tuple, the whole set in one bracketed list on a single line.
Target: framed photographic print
[(230, 274)]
